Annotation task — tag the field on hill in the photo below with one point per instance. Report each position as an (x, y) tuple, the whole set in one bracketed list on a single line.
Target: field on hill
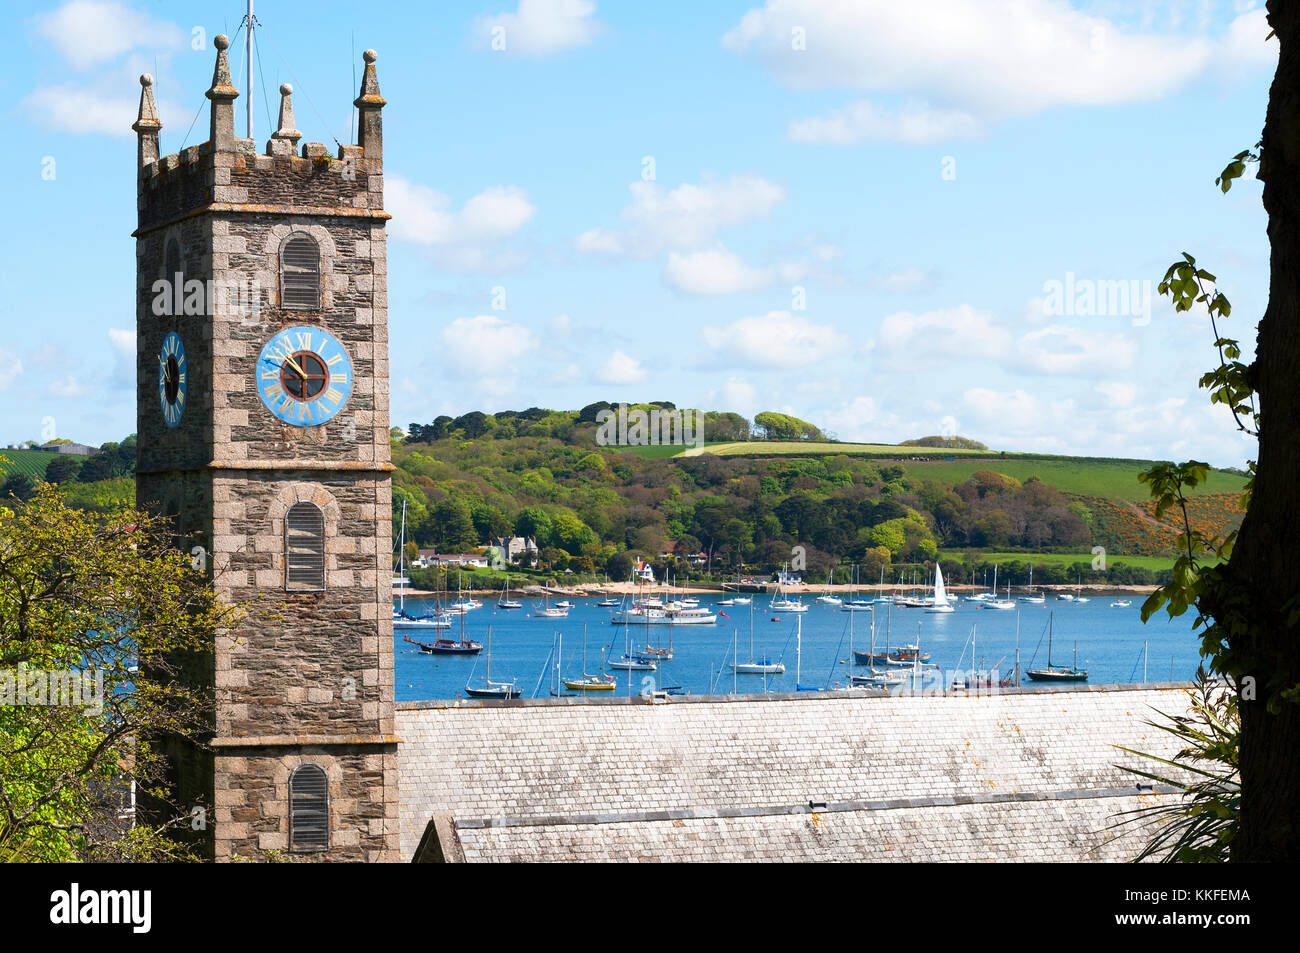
[(763, 448), (1089, 476), (1154, 563), (30, 462)]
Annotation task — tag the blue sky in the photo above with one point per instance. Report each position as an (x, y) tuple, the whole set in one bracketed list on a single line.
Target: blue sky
[(849, 212)]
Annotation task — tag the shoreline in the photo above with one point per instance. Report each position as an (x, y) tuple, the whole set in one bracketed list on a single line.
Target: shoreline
[(533, 591)]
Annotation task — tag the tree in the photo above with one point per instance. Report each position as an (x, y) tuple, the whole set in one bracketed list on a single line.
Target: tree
[(489, 522), (1250, 602), (453, 527), (63, 468), (1256, 599), (954, 443), (535, 522), (85, 593), (774, 426), (619, 567), (570, 533), (19, 486)]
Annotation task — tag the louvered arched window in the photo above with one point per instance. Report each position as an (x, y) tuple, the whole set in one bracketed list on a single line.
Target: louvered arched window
[(173, 259), (304, 547), (300, 272), (309, 809)]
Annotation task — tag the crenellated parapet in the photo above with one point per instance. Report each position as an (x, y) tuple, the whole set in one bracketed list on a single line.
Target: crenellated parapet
[(228, 173)]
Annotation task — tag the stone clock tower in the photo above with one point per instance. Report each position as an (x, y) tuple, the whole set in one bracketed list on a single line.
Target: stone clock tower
[(262, 329)]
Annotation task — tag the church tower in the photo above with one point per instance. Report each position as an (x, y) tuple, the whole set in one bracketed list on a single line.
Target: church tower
[(262, 414)]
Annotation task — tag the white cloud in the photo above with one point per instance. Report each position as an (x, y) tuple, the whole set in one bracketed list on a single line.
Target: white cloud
[(122, 342), (619, 368), (964, 333), (1246, 51), (11, 368), (913, 123), (485, 347), (997, 407), (1036, 310), (852, 420), (961, 63), (560, 325), (90, 32), (685, 221), (69, 108), (1062, 349), (468, 239), (69, 386), (538, 27), (777, 339), (600, 241), (740, 396), (1117, 393), (713, 272), (908, 279), (685, 218), (425, 216)]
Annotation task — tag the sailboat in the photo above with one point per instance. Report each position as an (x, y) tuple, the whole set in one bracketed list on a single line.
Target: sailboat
[(1058, 673), (940, 603), (783, 603), (798, 658), (547, 611), (462, 605), (1004, 604), (1078, 591), (989, 595), (856, 603), (631, 661), (1035, 598), (446, 646), (402, 620), (506, 602), (875, 679), (491, 689), (827, 598), (757, 666), (589, 683)]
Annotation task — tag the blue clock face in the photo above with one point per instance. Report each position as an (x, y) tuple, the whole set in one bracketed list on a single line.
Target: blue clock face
[(171, 378), (304, 376)]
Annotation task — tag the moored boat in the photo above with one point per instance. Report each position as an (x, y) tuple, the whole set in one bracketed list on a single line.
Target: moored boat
[(1058, 673)]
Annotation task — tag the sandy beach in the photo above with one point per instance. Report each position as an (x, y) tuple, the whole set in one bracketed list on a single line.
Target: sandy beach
[(630, 588)]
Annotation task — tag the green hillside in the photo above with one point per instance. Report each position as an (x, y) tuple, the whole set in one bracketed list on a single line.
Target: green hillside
[(1090, 476), (744, 505)]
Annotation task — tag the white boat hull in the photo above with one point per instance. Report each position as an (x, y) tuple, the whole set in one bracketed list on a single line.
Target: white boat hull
[(658, 617), (759, 668)]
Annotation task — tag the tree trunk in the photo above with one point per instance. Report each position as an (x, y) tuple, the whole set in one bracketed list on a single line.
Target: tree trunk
[(1265, 567)]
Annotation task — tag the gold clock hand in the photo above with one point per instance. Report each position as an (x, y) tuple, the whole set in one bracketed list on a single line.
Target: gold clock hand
[(292, 363)]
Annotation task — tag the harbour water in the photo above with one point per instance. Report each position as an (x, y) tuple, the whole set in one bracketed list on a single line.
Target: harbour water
[(1109, 639)]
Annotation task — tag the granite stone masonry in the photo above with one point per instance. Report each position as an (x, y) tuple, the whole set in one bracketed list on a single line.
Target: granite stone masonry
[(308, 679)]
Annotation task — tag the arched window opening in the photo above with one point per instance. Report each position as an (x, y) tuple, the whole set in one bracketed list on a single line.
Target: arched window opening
[(173, 259), (309, 809), (304, 548), (300, 272)]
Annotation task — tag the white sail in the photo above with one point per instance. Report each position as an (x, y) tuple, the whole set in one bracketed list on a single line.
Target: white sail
[(940, 593)]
